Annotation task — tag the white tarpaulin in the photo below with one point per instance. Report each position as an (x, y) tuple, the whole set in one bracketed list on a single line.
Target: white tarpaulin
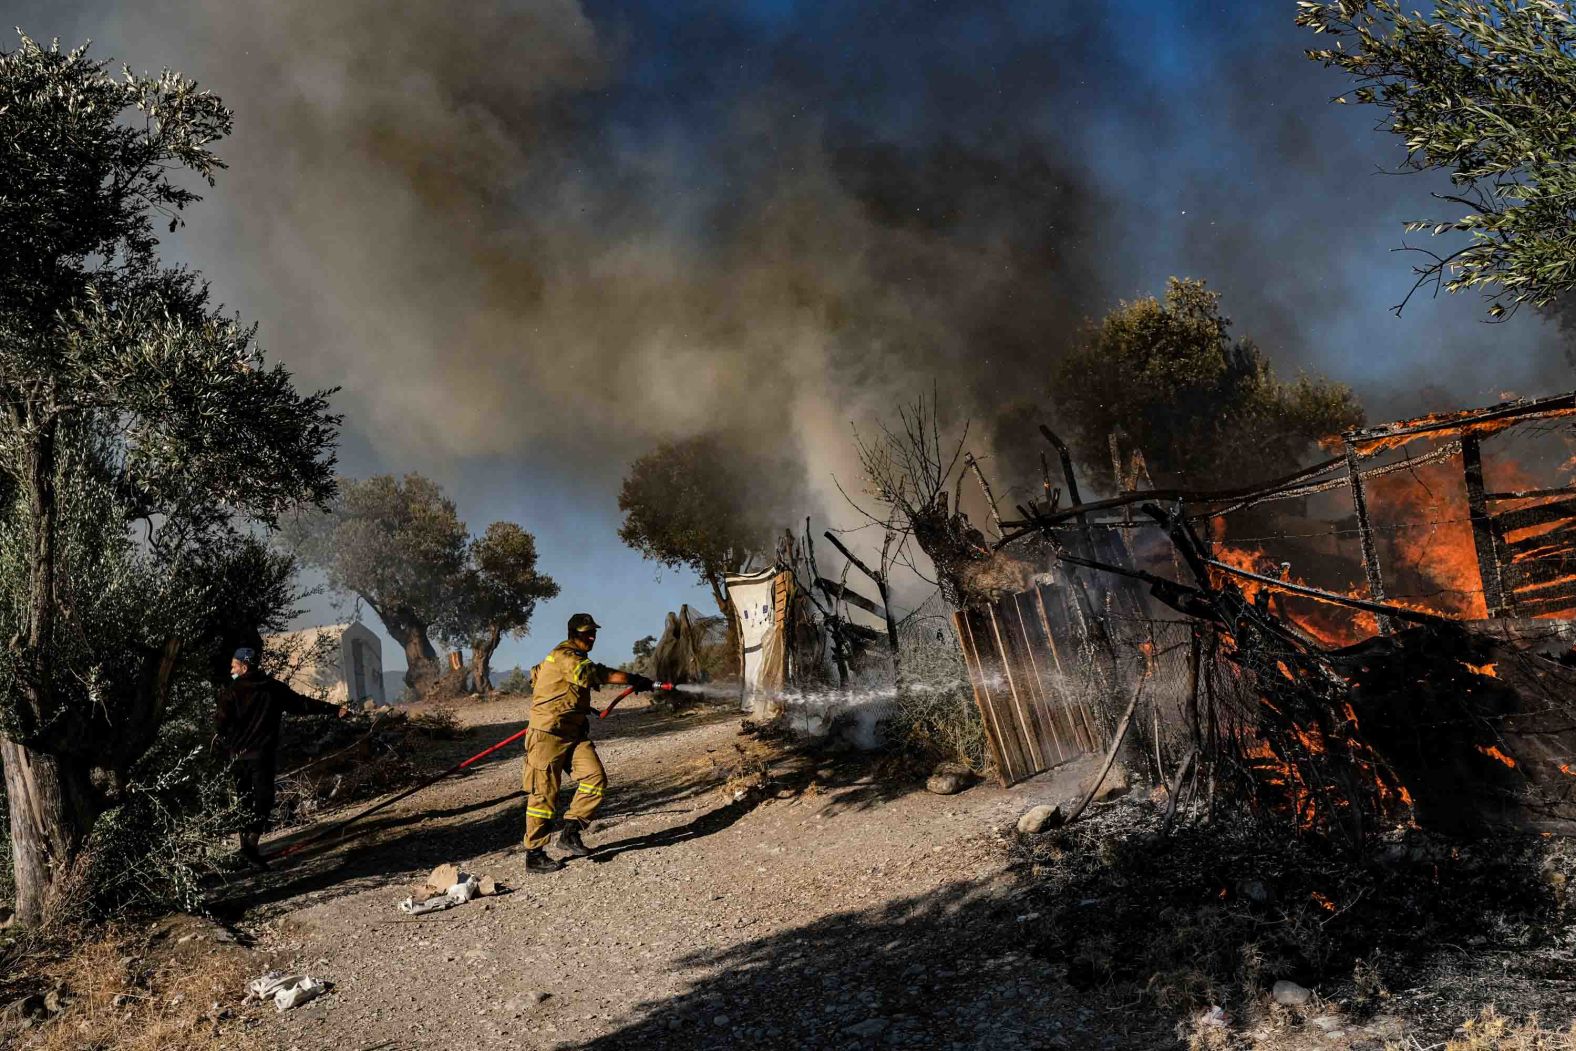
[(760, 603)]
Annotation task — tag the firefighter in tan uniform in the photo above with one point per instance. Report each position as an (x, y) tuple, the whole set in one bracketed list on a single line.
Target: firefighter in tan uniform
[(560, 740)]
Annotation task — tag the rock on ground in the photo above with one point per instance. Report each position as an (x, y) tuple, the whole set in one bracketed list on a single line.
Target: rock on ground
[(1290, 994), (1040, 818)]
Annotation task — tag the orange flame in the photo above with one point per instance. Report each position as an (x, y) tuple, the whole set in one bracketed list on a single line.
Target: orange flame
[(1324, 903), (1431, 535), (1493, 752), (1482, 669)]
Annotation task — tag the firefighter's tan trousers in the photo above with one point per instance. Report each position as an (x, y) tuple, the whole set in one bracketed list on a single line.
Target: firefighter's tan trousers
[(546, 759)]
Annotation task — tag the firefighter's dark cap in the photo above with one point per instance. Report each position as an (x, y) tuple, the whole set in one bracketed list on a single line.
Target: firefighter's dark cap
[(581, 624)]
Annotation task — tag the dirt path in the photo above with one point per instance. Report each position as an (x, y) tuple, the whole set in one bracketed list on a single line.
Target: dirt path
[(847, 913)]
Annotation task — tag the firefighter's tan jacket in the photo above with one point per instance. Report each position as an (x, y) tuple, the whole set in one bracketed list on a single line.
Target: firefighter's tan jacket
[(561, 695)]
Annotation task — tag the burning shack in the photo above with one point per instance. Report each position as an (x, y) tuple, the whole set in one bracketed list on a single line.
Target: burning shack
[(1405, 657)]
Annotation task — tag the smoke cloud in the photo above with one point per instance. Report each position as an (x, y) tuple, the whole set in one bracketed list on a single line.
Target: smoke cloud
[(550, 227)]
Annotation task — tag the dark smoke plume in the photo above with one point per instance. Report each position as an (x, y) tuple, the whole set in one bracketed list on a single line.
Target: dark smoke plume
[(541, 227)]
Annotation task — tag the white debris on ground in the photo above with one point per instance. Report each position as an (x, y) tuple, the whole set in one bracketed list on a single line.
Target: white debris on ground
[(447, 887), (287, 990)]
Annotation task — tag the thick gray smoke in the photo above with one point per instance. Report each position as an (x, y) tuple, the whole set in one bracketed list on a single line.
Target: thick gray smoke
[(448, 217), (523, 228)]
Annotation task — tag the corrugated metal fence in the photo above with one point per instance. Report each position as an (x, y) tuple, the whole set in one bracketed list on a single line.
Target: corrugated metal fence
[(1049, 673)]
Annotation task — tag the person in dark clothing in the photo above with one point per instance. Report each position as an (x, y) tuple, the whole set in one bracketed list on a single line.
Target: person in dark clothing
[(247, 725)]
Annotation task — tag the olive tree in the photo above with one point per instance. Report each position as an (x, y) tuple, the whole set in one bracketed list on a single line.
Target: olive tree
[(1480, 90), (497, 594), (398, 544), (1206, 409), (707, 505), (140, 428)]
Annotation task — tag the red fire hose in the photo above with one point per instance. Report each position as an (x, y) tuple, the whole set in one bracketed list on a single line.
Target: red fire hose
[(292, 848), (656, 687)]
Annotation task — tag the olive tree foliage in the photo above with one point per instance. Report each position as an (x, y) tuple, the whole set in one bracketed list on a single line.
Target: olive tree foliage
[(1205, 410), (708, 505), (497, 594), (1481, 90), (399, 544), (140, 428)]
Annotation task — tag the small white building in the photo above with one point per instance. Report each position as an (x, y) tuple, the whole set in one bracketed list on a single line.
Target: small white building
[(338, 662)]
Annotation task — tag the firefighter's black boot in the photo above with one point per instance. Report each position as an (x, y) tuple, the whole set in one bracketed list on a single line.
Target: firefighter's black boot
[(569, 840), (253, 856), (538, 861)]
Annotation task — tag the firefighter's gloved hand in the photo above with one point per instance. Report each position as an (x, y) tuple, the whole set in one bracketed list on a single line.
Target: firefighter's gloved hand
[(641, 683)]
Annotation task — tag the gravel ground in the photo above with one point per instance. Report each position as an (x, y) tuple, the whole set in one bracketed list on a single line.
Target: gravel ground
[(831, 910)]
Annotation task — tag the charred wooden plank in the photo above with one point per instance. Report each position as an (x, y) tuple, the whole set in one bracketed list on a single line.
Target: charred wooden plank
[(1554, 602), (1536, 572), (1560, 536), (1532, 494), (1365, 533), (1542, 514), (843, 593), (1483, 534), (1466, 421)]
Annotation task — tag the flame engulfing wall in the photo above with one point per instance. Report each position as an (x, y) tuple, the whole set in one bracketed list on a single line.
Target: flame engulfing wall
[(1466, 730)]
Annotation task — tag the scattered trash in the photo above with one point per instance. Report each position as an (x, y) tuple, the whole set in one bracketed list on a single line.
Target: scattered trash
[(413, 907), (446, 888), (464, 890), (287, 991), (1215, 1016)]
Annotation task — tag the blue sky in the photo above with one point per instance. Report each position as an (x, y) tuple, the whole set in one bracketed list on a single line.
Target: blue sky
[(493, 224)]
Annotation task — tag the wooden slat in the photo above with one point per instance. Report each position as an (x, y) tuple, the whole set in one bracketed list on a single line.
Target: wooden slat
[(1034, 643), (982, 694), (1543, 607), (842, 592), (1543, 514), (1532, 572), (1484, 537), (1021, 709), (1018, 764), (1058, 695), (1076, 717), (1365, 535), (1561, 536), (1532, 494), (1466, 419)]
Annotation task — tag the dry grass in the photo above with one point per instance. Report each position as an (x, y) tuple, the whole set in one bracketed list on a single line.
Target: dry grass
[(144, 991), (438, 722), (1490, 1031)]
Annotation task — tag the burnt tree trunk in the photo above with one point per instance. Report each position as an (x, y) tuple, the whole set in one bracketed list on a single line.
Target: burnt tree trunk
[(482, 649)]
